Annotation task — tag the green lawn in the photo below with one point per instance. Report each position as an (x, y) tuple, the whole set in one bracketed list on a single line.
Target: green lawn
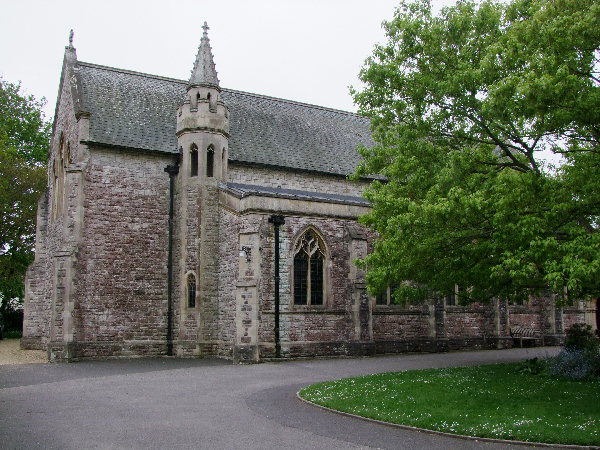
[(494, 401)]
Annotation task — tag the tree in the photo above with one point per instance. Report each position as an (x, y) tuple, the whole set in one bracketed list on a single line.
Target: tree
[(24, 144), (465, 109)]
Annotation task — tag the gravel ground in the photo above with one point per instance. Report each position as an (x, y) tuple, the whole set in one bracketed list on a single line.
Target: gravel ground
[(11, 353)]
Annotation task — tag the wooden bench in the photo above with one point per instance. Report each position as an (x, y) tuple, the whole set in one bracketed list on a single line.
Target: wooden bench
[(527, 334)]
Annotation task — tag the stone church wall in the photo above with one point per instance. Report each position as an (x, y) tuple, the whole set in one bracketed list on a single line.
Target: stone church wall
[(473, 321), (307, 330), (36, 320), (120, 284), (186, 320), (286, 179), (573, 314), (229, 235), (397, 323)]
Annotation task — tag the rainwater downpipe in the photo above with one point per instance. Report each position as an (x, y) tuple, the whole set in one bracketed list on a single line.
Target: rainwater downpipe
[(277, 220), (172, 170)]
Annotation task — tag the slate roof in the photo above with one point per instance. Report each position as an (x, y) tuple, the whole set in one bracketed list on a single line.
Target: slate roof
[(244, 190), (138, 111)]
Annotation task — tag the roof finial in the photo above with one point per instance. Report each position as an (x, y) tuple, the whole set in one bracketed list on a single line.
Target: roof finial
[(205, 27), (71, 38)]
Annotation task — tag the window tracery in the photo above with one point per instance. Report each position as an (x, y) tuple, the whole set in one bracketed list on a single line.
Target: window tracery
[(309, 267)]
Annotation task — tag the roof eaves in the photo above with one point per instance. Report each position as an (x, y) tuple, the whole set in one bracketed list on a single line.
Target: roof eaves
[(306, 171), (248, 191), (124, 147)]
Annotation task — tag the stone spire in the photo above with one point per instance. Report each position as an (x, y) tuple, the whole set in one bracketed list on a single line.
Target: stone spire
[(204, 73)]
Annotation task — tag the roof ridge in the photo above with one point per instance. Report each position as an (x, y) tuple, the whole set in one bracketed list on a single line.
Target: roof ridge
[(251, 94)]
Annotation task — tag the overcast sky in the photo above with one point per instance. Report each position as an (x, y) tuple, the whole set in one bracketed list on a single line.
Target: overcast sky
[(304, 50)]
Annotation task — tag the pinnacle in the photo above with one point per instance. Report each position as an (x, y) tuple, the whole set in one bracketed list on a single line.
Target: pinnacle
[(204, 72)]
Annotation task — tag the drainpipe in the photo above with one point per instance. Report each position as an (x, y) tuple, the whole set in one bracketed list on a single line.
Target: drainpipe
[(277, 220), (172, 170)]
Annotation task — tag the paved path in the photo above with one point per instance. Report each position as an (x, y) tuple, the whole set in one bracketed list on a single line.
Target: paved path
[(175, 403)]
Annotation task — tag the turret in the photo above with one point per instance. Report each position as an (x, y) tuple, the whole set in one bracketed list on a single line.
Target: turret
[(203, 120)]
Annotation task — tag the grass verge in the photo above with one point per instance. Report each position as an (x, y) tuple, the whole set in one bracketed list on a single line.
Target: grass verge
[(496, 401)]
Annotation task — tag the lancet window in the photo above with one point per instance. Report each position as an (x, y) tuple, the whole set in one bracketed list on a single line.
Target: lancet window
[(191, 290), (223, 162), (193, 160), (58, 171), (210, 161)]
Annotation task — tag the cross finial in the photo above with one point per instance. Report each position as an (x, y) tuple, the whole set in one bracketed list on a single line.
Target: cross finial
[(71, 38), (205, 27)]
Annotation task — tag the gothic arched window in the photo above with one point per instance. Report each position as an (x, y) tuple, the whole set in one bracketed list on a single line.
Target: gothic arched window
[(59, 178), (210, 161), (309, 267), (223, 162), (193, 160), (191, 290)]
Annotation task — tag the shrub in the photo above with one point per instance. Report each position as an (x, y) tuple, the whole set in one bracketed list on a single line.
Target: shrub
[(575, 364), (13, 334), (581, 337), (533, 366)]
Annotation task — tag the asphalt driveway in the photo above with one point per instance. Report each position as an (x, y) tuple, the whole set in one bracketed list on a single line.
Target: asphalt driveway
[(179, 403)]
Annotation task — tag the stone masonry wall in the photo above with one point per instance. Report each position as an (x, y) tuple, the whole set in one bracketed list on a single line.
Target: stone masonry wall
[(573, 314), (229, 235), (36, 320), (209, 265), (122, 266), (286, 179), (306, 330), (472, 321), (399, 323), (186, 246)]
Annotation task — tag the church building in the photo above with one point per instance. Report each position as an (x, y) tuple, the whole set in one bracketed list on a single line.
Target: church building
[(182, 218)]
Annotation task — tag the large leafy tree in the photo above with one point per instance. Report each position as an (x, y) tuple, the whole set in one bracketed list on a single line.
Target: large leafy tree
[(24, 143), (486, 120)]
